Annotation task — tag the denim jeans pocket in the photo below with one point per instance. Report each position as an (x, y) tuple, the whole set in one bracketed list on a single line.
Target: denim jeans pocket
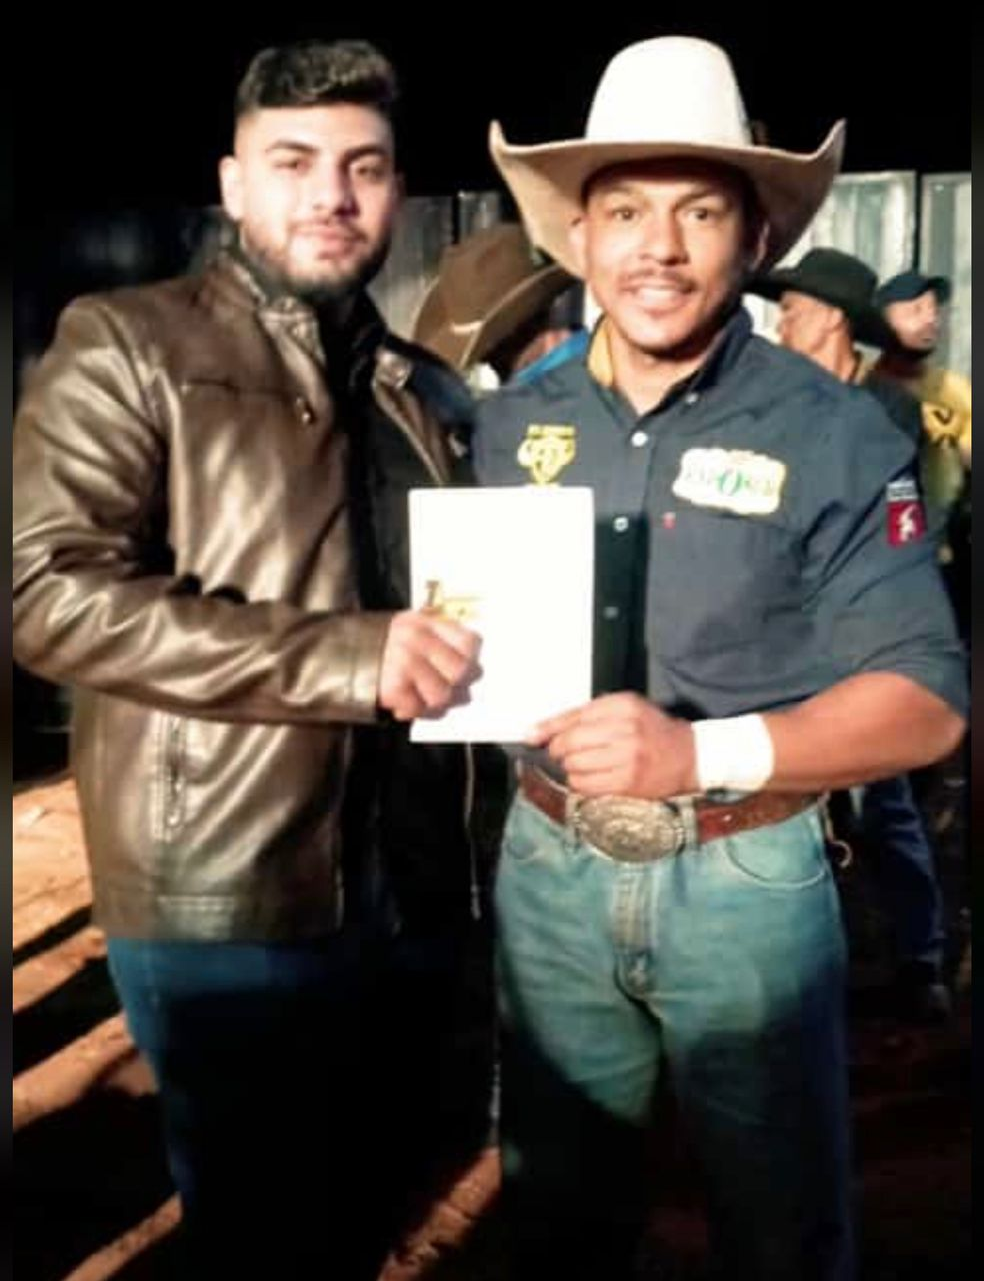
[(529, 835), (783, 856)]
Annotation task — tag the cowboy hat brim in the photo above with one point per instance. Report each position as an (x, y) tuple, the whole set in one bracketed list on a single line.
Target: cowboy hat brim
[(467, 343), (548, 182)]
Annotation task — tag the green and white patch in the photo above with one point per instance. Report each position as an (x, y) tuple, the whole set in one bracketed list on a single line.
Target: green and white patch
[(735, 480)]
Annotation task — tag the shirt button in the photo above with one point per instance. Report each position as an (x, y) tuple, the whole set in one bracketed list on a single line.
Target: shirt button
[(639, 438), (610, 611), (620, 524), (691, 398)]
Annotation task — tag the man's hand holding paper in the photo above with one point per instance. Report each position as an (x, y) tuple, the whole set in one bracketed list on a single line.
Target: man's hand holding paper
[(428, 663), (621, 745)]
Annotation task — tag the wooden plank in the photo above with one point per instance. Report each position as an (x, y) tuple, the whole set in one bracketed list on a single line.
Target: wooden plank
[(65, 1077), (113, 1258), (50, 876), (45, 973)]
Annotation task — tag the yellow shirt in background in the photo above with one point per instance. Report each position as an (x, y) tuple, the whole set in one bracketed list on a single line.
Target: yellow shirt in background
[(946, 410)]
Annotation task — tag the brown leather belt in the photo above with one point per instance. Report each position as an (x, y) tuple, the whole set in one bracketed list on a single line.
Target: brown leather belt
[(632, 830)]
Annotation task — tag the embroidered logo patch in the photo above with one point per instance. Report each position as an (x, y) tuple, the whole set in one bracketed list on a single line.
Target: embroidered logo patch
[(736, 480), (940, 421), (546, 451), (906, 518), (941, 414)]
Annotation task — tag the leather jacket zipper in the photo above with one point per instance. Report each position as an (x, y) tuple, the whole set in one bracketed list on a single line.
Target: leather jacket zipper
[(173, 774)]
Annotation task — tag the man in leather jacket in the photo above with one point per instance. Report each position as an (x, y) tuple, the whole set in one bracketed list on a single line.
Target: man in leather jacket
[(211, 548)]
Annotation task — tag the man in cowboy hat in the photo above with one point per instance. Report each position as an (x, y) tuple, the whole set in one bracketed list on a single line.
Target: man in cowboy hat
[(769, 624), (826, 302), (826, 307), (491, 303)]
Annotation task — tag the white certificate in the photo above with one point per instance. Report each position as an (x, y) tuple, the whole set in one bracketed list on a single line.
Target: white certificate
[(516, 565)]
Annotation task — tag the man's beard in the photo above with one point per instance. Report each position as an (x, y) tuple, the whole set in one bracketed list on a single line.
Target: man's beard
[(321, 294), (915, 354)]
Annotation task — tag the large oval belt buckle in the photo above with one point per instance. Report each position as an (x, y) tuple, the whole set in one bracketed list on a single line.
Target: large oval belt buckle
[(630, 830)]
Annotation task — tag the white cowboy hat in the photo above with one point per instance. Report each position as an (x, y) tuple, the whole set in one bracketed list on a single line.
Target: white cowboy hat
[(672, 96)]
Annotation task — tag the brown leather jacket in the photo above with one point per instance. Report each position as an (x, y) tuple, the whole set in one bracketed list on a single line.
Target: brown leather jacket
[(183, 556)]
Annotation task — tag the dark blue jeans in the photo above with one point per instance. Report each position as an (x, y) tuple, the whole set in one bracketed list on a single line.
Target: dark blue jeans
[(901, 860), (724, 967), (299, 1088)]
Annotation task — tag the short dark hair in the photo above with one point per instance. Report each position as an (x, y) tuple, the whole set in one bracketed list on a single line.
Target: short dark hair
[(309, 73)]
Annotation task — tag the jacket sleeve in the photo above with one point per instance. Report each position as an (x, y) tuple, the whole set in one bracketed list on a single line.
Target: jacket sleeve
[(96, 601)]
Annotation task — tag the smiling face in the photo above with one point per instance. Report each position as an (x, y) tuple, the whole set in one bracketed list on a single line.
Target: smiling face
[(665, 246), (315, 193)]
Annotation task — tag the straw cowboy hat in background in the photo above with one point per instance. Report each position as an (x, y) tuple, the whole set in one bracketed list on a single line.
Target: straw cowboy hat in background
[(487, 287), (672, 96)]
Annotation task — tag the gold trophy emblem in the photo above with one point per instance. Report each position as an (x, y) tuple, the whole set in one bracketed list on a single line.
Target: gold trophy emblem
[(546, 451), (460, 609)]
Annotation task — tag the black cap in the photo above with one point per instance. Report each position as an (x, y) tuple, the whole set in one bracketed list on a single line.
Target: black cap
[(836, 278), (911, 284)]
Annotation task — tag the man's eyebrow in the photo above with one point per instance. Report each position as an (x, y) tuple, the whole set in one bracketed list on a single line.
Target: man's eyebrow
[(290, 144), (367, 149), (309, 149), (705, 190), (700, 191)]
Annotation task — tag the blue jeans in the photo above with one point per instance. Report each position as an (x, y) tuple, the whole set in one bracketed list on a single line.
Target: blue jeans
[(901, 861), (725, 965), (298, 1087)]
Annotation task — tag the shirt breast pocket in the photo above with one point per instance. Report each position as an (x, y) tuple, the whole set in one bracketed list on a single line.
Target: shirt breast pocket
[(718, 581)]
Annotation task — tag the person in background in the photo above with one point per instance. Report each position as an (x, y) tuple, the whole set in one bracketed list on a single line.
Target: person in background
[(826, 308)]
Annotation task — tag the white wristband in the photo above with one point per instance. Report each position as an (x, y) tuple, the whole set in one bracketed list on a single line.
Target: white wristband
[(733, 754)]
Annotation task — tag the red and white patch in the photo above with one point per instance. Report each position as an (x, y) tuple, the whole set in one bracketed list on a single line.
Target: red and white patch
[(906, 517)]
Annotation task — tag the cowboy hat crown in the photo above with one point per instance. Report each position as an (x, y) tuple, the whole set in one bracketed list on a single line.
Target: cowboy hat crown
[(673, 96)]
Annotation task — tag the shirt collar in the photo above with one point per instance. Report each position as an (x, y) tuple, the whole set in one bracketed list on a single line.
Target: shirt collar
[(725, 350)]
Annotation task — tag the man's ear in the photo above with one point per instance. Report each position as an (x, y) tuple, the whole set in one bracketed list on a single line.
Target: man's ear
[(837, 320), (231, 186)]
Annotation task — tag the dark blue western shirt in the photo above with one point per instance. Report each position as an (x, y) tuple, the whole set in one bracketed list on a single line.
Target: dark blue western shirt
[(756, 541)]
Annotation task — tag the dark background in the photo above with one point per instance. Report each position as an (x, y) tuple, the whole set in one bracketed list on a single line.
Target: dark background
[(136, 114)]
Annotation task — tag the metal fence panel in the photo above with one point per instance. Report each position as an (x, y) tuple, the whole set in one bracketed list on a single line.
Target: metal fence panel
[(425, 227), (870, 215), (945, 250)]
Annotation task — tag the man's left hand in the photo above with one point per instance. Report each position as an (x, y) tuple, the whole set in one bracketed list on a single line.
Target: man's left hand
[(621, 745)]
